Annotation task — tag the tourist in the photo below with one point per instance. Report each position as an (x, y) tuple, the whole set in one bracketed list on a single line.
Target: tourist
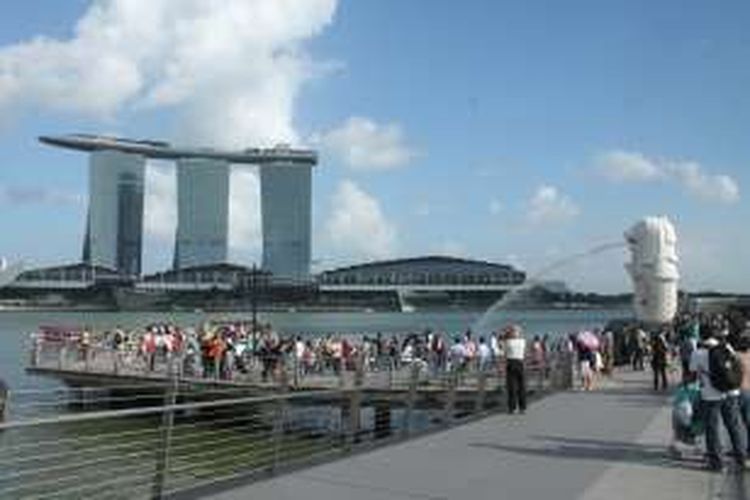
[(638, 340), (719, 403), (515, 380), (744, 354), (688, 343), (148, 348), (456, 356), (537, 353), (470, 350), (586, 360), (659, 350), (484, 354)]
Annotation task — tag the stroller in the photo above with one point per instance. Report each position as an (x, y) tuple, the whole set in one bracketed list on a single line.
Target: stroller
[(687, 420)]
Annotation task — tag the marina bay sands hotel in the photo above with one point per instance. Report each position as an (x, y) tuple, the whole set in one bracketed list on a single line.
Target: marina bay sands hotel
[(114, 231)]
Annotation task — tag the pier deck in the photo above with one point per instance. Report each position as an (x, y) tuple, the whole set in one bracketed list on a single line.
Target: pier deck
[(611, 443)]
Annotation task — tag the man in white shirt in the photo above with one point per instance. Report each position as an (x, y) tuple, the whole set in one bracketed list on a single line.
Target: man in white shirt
[(718, 405), (456, 355), (515, 378)]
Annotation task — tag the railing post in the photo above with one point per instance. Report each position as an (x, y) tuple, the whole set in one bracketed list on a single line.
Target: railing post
[(36, 353), (450, 396), (411, 399), (87, 358), (354, 410), (278, 431), (570, 372), (61, 356), (4, 401), (481, 391), (167, 425), (540, 376), (296, 369)]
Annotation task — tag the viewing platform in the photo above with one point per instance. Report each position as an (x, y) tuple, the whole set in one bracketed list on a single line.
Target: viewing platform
[(607, 444)]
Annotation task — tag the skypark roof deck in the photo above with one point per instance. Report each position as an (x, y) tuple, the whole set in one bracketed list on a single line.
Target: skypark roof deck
[(165, 151)]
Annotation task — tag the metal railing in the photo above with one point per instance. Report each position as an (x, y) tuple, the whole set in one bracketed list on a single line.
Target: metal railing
[(250, 369), (188, 441)]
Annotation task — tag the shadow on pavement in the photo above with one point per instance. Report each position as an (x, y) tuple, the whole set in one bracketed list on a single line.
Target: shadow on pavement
[(595, 450)]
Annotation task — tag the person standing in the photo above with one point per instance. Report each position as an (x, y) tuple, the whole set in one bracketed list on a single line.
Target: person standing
[(484, 355), (744, 354), (714, 364), (659, 351), (515, 378)]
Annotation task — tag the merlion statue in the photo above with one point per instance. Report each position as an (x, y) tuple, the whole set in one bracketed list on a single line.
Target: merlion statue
[(653, 268)]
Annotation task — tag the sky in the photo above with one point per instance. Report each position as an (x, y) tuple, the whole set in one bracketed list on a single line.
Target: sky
[(513, 131)]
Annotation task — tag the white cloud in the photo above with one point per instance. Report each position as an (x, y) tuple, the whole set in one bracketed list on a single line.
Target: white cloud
[(244, 210), (549, 205), (160, 201), (357, 226), (624, 166), (362, 144), (495, 207), (231, 68), (718, 188)]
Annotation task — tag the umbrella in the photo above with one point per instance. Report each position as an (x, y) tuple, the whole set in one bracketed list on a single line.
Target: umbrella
[(589, 340)]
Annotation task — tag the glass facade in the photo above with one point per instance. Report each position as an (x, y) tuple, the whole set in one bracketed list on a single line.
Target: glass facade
[(286, 218), (202, 212), (115, 215)]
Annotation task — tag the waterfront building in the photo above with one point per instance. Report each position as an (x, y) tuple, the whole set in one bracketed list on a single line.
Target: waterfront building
[(202, 212), (419, 282), (428, 272), (114, 227)]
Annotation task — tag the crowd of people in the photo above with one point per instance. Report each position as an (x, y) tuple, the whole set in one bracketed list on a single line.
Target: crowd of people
[(230, 350), (224, 350)]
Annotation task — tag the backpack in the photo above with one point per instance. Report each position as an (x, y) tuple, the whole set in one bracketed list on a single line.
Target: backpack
[(724, 368)]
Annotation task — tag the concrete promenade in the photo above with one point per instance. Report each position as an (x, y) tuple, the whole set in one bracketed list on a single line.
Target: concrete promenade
[(609, 444)]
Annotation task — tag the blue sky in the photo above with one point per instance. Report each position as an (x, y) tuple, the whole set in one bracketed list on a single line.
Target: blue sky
[(511, 131)]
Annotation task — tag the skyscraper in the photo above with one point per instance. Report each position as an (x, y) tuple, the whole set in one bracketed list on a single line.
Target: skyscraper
[(285, 208), (202, 212), (115, 218)]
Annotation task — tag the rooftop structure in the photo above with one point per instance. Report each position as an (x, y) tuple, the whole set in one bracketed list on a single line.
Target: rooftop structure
[(165, 151), (428, 272)]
